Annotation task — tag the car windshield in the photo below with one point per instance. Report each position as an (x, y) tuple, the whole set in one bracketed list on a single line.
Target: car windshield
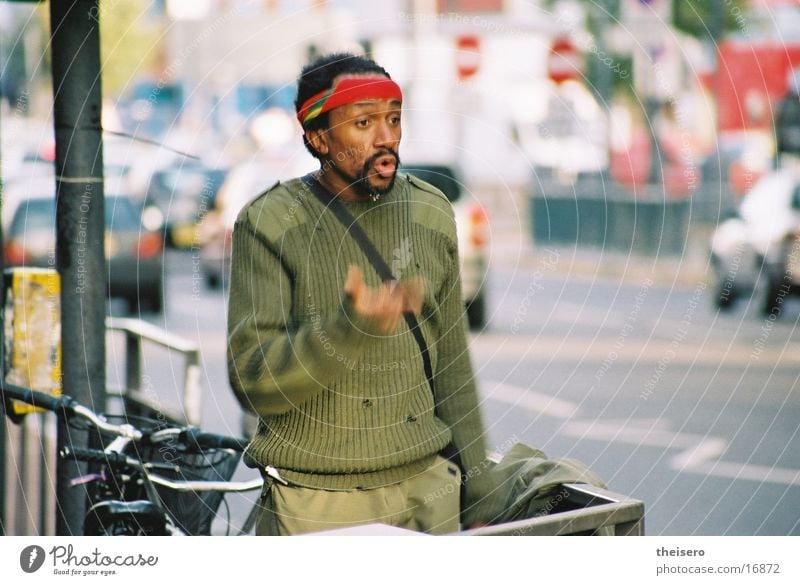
[(122, 215), (187, 182), (33, 215), (39, 214)]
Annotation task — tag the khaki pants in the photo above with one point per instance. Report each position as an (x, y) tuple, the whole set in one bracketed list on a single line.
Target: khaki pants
[(428, 502)]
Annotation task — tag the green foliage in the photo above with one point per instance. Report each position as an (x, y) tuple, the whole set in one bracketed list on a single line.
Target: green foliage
[(698, 18), (702, 18), (131, 43), (619, 69)]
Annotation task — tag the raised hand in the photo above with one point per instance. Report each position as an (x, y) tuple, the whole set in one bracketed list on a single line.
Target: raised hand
[(385, 304)]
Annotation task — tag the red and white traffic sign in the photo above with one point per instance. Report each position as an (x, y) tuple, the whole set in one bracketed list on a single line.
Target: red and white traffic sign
[(468, 55), (565, 60)]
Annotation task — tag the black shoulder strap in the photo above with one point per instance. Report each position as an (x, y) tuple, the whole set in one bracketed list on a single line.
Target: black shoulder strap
[(374, 257)]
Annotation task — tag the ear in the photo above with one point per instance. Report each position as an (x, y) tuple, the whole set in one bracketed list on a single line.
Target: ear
[(318, 140)]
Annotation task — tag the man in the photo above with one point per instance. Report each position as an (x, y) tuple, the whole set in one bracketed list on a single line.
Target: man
[(350, 431)]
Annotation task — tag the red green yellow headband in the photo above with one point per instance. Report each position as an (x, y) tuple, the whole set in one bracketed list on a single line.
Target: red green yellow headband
[(347, 91)]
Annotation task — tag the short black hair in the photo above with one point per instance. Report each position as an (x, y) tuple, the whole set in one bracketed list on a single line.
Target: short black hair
[(318, 76)]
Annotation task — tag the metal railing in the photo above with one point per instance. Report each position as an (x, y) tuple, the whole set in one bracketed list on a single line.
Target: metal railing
[(29, 503), (140, 403), (29, 493), (587, 510)]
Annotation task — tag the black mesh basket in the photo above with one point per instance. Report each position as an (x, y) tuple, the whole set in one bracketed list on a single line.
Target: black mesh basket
[(192, 512)]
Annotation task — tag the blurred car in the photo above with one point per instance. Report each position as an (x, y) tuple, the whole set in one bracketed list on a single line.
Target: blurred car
[(472, 225), (184, 194), (757, 251), (243, 183), (134, 254)]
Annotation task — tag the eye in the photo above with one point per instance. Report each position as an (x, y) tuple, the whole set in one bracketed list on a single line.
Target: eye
[(394, 120), (362, 122)]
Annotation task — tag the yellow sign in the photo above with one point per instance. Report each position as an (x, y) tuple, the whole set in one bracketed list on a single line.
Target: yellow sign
[(33, 331)]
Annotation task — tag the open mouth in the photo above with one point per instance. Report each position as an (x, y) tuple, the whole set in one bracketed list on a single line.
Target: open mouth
[(385, 166)]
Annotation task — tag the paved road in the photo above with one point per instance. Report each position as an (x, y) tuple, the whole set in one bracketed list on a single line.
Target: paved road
[(694, 412)]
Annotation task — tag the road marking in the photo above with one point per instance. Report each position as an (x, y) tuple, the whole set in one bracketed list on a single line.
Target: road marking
[(531, 400), (706, 450), (759, 473), (589, 315), (647, 423), (632, 434), (698, 453)]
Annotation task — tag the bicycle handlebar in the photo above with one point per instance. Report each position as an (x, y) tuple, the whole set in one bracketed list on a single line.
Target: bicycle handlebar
[(95, 456), (35, 398), (71, 409), (191, 436)]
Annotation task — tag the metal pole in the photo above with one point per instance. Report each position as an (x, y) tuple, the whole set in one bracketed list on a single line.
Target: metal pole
[(80, 228), (2, 362)]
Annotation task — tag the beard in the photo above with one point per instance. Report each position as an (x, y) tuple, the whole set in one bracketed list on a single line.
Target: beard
[(361, 182)]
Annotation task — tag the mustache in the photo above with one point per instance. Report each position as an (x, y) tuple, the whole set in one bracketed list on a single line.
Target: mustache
[(370, 162)]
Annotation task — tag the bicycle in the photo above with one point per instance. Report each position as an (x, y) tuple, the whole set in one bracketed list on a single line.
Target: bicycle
[(151, 477)]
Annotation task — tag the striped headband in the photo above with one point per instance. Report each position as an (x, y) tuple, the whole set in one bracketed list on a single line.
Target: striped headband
[(348, 91)]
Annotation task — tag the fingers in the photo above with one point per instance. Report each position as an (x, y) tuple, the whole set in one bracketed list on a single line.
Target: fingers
[(413, 291), (390, 306), (385, 304), (354, 282)]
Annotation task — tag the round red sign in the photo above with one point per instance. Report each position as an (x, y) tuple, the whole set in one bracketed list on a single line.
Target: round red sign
[(565, 60)]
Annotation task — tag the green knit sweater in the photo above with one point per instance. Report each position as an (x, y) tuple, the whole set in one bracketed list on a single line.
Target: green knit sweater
[(342, 406)]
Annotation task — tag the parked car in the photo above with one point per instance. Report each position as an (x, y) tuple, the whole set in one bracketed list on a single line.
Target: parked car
[(757, 251), (472, 225), (243, 183), (184, 193), (134, 254)]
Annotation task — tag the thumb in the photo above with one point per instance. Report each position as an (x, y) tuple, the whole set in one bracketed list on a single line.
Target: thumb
[(354, 281)]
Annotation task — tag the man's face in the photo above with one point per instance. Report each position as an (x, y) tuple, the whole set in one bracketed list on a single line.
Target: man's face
[(361, 145)]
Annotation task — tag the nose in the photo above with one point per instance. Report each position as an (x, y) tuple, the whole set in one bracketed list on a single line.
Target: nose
[(387, 135)]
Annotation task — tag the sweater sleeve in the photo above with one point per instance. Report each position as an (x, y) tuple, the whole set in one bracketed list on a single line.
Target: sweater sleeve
[(273, 364), (457, 403)]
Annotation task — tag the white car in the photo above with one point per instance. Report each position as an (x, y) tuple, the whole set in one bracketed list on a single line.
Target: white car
[(472, 225), (758, 251), (243, 183)]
